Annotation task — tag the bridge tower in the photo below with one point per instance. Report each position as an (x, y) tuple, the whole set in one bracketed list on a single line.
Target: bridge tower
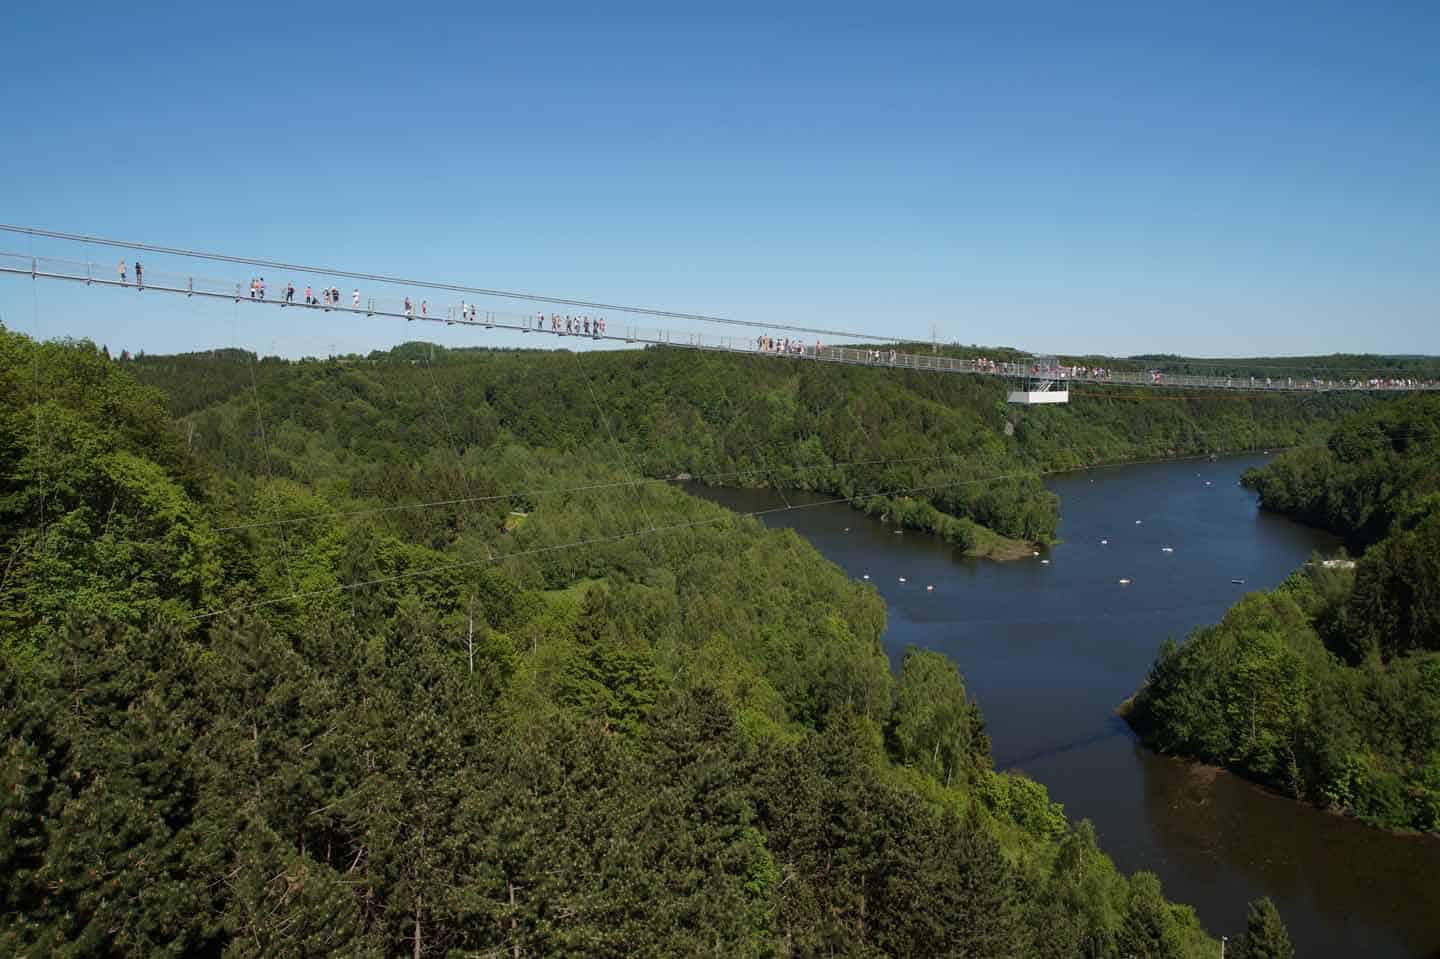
[(1042, 382)]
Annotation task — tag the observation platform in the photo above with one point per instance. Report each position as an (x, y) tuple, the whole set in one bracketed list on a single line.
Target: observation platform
[(1038, 397)]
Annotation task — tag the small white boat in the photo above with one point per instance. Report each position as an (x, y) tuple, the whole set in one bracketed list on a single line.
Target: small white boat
[(929, 589), (1238, 582), (902, 579), (1124, 582), (1104, 542), (866, 576), (847, 529), (1035, 553), (1138, 522), (1167, 549), (1044, 562), (1208, 483)]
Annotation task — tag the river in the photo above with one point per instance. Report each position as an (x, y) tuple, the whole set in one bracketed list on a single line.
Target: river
[(1049, 650)]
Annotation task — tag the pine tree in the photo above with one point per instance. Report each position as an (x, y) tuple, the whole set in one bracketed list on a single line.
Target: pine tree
[(1147, 932), (1265, 934)]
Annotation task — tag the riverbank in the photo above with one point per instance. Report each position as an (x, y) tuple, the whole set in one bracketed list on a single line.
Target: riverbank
[(992, 546), (1048, 650), (1203, 768), (977, 541), (969, 537)]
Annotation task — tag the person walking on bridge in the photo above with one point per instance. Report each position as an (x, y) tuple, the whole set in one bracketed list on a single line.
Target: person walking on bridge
[(355, 298), (121, 270), (139, 276)]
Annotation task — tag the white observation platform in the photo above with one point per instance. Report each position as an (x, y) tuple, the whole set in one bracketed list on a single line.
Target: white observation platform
[(1043, 383)]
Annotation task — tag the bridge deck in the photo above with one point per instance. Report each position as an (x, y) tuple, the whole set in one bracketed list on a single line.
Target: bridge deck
[(191, 285)]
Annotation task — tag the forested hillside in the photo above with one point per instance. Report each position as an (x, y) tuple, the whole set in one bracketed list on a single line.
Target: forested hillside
[(1336, 367), (1374, 475), (932, 452), (258, 703), (1329, 687)]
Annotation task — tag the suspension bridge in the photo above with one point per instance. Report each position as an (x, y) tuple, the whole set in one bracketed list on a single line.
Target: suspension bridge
[(1036, 380)]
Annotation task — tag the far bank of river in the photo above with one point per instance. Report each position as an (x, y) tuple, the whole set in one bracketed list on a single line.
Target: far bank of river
[(1050, 649)]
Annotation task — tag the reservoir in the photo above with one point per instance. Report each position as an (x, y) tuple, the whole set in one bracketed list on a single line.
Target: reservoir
[(1050, 649)]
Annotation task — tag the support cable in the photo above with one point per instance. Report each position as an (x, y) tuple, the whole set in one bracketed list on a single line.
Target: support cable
[(428, 284), (594, 487), (609, 432), (453, 438), (754, 448), (269, 468), (753, 514), (86, 274), (1392, 382), (599, 540), (697, 477), (39, 432)]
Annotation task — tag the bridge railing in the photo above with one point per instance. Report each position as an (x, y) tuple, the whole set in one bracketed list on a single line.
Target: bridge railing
[(584, 325)]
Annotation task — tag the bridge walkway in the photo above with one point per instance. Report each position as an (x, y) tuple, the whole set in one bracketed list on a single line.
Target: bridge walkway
[(562, 326)]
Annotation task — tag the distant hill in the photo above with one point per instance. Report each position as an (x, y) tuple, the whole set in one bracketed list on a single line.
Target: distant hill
[(927, 445), (1343, 366)]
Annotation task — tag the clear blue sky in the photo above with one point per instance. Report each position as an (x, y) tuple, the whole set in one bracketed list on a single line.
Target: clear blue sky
[(1212, 179)]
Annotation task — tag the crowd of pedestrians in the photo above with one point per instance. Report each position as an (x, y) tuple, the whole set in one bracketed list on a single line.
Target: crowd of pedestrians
[(784, 345), (329, 296), (568, 325), (584, 325), (1060, 371)]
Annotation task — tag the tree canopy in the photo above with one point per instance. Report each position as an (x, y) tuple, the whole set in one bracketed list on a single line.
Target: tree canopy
[(1329, 686), (259, 701)]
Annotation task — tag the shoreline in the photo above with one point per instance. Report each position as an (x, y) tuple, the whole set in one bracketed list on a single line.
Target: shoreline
[(991, 545), (1201, 766)]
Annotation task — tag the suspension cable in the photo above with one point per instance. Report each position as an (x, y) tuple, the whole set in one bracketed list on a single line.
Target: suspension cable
[(430, 284), (594, 541), (691, 524), (785, 468)]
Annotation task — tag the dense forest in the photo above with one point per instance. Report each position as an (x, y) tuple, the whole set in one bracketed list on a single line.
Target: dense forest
[(939, 453), (1337, 367), (430, 654), (1329, 686)]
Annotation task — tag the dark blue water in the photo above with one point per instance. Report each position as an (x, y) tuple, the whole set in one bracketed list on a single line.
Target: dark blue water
[(1050, 649)]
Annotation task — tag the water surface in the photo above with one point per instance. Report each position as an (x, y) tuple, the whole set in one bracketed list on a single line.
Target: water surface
[(1049, 650)]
